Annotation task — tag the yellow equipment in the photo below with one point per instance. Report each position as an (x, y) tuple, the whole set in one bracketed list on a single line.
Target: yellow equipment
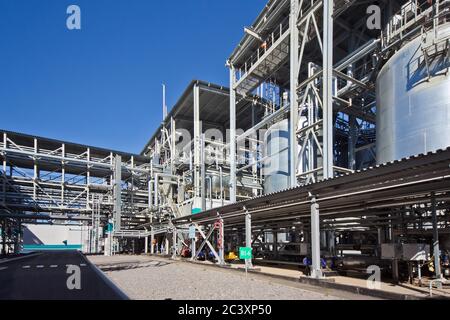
[(231, 256)]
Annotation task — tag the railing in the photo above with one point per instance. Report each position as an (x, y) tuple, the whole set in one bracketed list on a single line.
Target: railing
[(413, 17), (266, 44)]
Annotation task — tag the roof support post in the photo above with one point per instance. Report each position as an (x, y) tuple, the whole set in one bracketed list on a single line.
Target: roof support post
[(436, 251), (4, 237), (193, 245), (146, 245), (316, 271), (152, 241), (174, 243), (166, 246), (248, 237), (328, 89), (221, 242)]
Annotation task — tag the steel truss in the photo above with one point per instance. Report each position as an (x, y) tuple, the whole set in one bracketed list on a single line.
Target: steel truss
[(48, 181)]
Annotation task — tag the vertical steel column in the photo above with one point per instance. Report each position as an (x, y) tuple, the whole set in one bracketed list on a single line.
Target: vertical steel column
[(63, 172), (352, 138), (146, 245), (150, 193), (193, 246), (106, 252), (156, 192), (222, 242), (5, 146), (275, 243), (436, 251), (166, 247), (36, 170), (202, 171), (294, 67), (328, 88), (316, 271), (91, 239), (152, 240), (164, 102), (232, 155), (4, 237), (117, 193), (197, 133), (5, 142), (88, 175), (174, 153), (248, 237), (98, 223), (174, 243)]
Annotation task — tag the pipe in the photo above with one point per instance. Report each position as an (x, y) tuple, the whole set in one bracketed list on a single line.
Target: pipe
[(221, 185), (210, 190), (202, 172), (156, 191), (327, 198), (150, 193)]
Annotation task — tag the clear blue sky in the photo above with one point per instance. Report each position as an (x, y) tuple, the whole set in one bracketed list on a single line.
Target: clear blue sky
[(101, 85)]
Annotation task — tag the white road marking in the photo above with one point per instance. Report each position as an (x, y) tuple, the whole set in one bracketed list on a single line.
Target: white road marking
[(54, 266), (26, 267), (82, 264), (39, 266), (3, 268)]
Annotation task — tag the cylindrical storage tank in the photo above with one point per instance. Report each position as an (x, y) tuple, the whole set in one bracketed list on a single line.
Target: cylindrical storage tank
[(413, 109), (277, 163)]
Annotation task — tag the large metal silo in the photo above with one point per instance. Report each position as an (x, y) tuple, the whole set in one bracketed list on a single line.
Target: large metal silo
[(413, 99)]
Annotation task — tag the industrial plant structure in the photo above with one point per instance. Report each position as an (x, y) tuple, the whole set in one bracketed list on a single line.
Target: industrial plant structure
[(329, 150)]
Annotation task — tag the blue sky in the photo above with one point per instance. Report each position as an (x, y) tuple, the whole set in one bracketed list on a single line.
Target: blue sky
[(101, 85)]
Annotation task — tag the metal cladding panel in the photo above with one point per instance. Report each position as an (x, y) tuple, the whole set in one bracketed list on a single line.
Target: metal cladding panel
[(413, 114)]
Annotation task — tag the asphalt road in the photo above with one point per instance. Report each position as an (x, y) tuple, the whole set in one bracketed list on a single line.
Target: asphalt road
[(44, 276)]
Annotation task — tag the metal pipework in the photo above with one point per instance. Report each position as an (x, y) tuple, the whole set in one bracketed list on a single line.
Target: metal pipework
[(221, 185), (156, 185), (232, 154), (202, 171), (210, 186), (328, 21), (156, 191)]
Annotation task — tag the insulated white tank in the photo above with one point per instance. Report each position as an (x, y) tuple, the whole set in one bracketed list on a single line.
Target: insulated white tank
[(413, 109), (277, 163)]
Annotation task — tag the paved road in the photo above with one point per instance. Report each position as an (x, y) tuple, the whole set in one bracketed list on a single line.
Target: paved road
[(44, 276)]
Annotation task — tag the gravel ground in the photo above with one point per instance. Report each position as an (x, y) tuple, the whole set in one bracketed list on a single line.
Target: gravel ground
[(183, 281)]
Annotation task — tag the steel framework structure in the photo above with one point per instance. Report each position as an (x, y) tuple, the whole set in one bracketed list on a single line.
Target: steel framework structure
[(311, 62), (49, 181)]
